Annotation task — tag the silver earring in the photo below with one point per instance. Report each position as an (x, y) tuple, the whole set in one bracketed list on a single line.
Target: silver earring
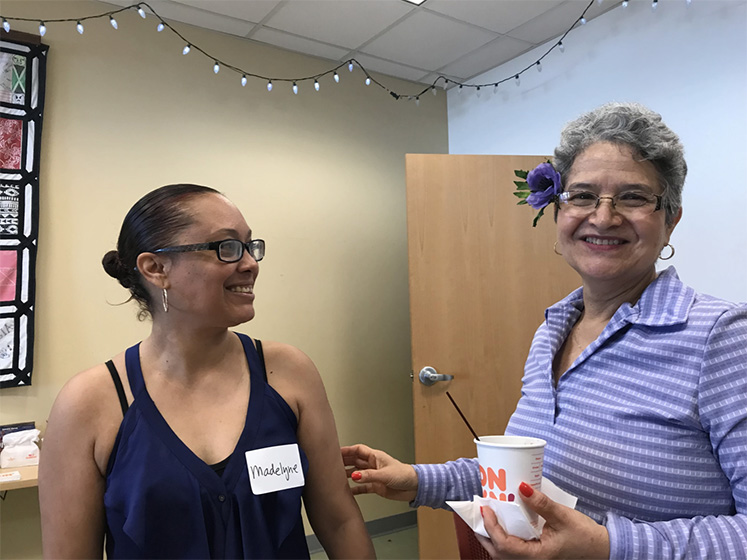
[(671, 247), (165, 300)]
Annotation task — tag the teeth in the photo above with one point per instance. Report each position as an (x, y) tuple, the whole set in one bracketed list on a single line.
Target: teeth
[(596, 241), (242, 289)]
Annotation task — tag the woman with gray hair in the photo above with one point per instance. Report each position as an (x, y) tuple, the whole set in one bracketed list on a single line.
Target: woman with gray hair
[(637, 383)]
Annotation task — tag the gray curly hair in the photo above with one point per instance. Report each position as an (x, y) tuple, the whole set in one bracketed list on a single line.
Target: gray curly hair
[(636, 126)]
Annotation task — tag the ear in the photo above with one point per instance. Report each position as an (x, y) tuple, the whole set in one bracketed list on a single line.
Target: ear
[(154, 269)]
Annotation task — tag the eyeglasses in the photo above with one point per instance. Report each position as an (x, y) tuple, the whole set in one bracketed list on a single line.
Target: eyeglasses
[(630, 203), (228, 250)]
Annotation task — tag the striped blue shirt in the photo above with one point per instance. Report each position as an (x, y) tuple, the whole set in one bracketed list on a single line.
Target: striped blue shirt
[(648, 427)]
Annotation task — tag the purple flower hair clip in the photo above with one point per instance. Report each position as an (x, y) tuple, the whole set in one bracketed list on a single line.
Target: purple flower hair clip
[(539, 188)]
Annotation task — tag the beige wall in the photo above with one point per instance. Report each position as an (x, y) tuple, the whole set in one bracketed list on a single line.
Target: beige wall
[(320, 176)]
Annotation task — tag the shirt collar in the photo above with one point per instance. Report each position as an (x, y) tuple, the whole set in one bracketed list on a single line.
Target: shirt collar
[(665, 302)]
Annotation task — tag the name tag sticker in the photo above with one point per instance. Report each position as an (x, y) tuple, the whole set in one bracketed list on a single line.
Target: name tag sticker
[(274, 468)]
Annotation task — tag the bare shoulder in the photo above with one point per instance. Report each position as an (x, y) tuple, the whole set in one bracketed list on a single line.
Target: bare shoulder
[(86, 413), (293, 375), (286, 360)]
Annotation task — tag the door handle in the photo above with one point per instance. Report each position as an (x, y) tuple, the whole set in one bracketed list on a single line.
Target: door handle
[(429, 376)]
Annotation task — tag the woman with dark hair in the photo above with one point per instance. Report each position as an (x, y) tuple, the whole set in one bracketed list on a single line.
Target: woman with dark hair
[(637, 383), (198, 442)]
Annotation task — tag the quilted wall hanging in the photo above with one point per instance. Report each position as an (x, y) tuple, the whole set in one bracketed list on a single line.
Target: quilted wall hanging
[(22, 77)]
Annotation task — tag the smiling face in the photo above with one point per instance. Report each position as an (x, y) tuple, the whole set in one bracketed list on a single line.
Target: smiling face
[(203, 289), (605, 247)]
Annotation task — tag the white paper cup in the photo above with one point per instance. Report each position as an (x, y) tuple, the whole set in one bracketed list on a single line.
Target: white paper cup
[(506, 462)]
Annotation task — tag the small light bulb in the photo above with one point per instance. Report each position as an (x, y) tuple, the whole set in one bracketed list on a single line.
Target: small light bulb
[(79, 27), (518, 81), (461, 87), (113, 22), (6, 25), (561, 46), (159, 28), (582, 21), (688, 2), (216, 67), (433, 89), (336, 77), (625, 3), (417, 102), (316, 85), (350, 66), (269, 85), (141, 12), (654, 5), (295, 88), (368, 81), (539, 66), (186, 48), (495, 88), (478, 91), (243, 80), (42, 28)]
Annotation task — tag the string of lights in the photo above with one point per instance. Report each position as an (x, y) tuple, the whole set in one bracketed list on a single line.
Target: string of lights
[(350, 63)]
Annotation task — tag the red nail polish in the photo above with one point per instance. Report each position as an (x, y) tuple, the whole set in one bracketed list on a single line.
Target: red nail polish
[(356, 476), (526, 490), (481, 514)]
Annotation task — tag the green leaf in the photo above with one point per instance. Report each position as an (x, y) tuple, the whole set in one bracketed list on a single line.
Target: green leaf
[(521, 202), (522, 185), (522, 194), (538, 216), (521, 173)]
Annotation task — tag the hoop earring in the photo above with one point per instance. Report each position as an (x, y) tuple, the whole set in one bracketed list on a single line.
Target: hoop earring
[(671, 247), (555, 249), (165, 300)]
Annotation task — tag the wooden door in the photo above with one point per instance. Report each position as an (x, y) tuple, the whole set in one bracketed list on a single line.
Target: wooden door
[(480, 280)]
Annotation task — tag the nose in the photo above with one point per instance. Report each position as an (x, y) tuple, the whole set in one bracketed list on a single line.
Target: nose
[(605, 214), (247, 261)]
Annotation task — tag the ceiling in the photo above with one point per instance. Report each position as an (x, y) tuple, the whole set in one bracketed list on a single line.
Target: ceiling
[(458, 39)]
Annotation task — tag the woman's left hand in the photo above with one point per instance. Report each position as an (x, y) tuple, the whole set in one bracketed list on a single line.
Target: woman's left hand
[(567, 533)]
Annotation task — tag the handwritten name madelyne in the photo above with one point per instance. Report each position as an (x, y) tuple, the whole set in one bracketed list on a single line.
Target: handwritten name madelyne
[(279, 470)]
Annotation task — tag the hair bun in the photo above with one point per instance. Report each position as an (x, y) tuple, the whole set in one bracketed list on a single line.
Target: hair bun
[(115, 268)]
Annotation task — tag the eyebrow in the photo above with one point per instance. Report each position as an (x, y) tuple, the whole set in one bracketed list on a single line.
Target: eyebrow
[(232, 233), (625, 188)]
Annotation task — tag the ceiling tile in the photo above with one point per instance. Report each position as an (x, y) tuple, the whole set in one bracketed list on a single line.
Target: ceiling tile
[(298, 44), (500, 16), (247, 11), (552, 23), (426, 40), (374, 64), (485, 58), (187, 14), (345, 23)]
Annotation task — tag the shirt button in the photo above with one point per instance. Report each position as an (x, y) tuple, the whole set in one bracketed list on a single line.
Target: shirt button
[(221, 498)]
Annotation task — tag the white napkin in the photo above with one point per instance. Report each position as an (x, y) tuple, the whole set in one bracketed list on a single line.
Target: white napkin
[(511, 515)]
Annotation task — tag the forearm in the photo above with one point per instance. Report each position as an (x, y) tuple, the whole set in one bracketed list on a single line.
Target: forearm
[(697, 538), (454, 480), (349, 539)]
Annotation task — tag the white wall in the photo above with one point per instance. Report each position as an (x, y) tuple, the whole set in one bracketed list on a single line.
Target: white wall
[(687, 63)]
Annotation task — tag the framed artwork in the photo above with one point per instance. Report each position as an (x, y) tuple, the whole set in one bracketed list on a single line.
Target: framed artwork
[(22, 77)]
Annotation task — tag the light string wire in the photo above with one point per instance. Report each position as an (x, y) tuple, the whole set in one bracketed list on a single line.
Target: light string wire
[(349, 63)]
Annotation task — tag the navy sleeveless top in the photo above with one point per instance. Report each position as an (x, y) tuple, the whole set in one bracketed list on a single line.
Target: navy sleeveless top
[(162, 501)]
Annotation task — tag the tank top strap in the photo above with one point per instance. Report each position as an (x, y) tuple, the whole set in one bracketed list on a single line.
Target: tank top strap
[(256, 364), (134, 371)]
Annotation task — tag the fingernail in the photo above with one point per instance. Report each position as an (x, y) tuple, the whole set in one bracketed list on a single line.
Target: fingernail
[(356, 476), (525, 489), (481, 515)]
